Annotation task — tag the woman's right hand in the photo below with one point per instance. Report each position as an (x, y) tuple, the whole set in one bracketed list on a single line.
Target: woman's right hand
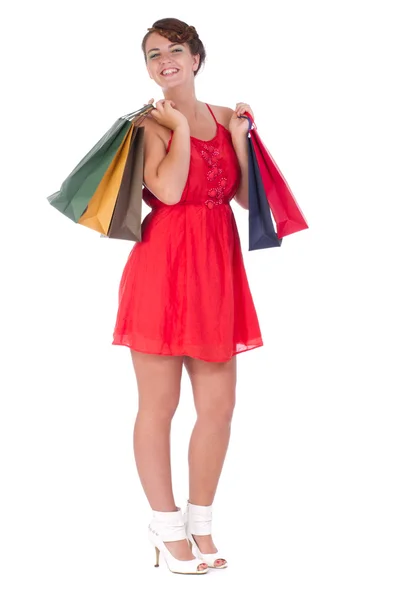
[(165, 114)]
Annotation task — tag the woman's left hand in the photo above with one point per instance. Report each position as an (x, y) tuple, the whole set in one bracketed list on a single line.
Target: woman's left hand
[(239, 126)]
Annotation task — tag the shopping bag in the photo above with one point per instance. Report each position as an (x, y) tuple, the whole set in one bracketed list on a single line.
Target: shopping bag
[(126, 222), (101, 206), (261, 229), (287, 214), (78, 188)]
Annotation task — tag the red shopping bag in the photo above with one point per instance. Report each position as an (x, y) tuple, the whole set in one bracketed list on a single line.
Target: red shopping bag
[(285, 210)]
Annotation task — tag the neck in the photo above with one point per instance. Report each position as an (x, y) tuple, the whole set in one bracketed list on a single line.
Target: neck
[(185, 101)]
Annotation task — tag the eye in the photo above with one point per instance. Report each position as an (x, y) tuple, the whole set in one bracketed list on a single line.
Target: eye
[(153, 55), (177, 50)]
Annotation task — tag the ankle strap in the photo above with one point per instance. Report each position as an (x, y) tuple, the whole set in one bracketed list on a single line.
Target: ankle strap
[(199, 519), (169, 526)]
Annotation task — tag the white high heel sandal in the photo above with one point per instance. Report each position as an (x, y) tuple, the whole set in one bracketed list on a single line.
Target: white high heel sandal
[(170, 527), (198, 520)]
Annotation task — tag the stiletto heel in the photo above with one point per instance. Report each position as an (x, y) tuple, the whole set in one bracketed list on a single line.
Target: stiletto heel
[(170, 527), (157, 557), (198, 520)]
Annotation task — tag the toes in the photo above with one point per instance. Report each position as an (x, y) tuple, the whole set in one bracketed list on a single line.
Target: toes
[(220, 562), (202, 567)]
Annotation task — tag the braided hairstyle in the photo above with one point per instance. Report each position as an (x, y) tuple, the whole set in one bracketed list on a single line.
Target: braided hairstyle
[(177, 31)]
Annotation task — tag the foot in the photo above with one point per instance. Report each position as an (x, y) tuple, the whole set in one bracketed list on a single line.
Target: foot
[(207, 546), (181, 551)]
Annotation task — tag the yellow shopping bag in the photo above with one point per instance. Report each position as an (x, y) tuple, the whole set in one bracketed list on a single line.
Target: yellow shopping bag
[(100, 209)]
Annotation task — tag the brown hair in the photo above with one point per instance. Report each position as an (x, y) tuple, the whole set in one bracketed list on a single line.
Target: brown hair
[(178, 32)]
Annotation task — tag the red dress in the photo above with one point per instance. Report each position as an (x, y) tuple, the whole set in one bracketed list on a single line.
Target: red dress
[(184, 289)]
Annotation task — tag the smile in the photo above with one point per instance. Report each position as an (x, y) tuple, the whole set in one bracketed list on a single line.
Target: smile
[(169, 72)]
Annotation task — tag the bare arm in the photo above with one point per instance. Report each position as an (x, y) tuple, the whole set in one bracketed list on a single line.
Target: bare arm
[(240, 145), (242, 153), (165, 174)]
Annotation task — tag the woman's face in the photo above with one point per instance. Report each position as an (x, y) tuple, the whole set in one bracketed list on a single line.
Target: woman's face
[(169, 63)]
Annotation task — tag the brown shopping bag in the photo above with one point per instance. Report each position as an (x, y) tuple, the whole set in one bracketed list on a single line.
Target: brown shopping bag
[(126, 222)]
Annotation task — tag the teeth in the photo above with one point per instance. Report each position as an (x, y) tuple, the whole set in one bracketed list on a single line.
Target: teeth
[(169, 71)]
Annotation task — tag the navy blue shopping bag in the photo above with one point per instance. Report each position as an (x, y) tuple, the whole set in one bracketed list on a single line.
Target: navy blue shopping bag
[(261, 228)]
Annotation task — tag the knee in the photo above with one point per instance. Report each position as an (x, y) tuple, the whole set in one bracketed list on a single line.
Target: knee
[(218, 411), (160, 409)]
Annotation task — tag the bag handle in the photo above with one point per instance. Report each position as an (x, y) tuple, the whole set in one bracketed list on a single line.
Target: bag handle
[(138, 113), (252, 125)]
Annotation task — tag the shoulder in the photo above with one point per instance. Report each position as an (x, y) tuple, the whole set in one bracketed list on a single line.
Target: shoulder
[(223, 114)]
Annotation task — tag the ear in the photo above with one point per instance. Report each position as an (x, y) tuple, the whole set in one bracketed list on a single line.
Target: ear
[(196, 61)]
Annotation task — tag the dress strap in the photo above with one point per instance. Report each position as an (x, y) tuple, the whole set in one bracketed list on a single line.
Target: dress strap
[(170, 140), (212, 113)]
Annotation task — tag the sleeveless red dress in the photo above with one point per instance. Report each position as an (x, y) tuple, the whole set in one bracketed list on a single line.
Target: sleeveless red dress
[(184, 289)]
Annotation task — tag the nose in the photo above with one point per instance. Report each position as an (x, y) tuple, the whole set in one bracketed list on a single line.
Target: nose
[(164, 63), (165, 59)]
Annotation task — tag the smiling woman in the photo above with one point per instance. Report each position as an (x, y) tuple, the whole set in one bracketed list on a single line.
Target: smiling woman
[(184, 298), (178, 33)]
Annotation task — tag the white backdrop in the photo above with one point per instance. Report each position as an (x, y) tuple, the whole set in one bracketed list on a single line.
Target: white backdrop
[(308, 501)]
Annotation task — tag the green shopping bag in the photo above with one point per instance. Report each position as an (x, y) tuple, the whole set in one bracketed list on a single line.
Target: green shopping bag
[(78, 188)]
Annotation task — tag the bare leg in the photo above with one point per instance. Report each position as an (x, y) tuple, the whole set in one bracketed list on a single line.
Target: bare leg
[(214, 391), (158, 380)]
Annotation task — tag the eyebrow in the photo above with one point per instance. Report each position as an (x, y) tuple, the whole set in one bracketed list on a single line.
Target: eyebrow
[(170, 46)]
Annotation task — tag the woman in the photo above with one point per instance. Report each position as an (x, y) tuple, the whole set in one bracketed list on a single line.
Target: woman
[(184, 297)]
